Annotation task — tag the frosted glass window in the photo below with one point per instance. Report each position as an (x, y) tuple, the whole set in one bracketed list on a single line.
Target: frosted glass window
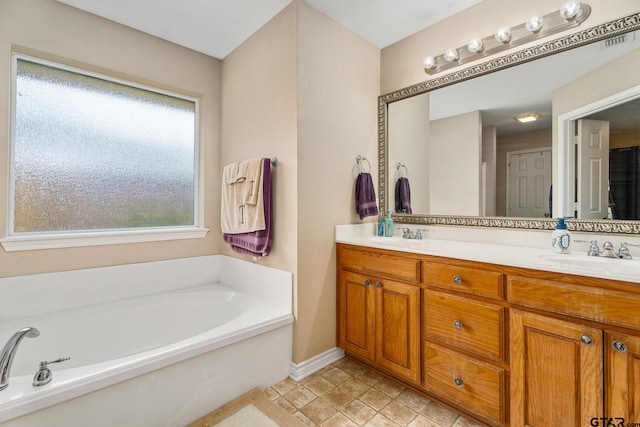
[(95, 154)]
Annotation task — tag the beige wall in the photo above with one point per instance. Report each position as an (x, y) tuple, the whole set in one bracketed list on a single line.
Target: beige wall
[(401, 63), (51, 30), (457, 141), (408, 135), (338, 85), (304, 89), (259, 112), (598, 84)]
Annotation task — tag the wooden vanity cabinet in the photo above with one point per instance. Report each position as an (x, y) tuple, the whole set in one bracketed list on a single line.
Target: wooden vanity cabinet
[(507, 346), (556, 371), (379, 317), (570, 358), (464, 324), (622, 376)]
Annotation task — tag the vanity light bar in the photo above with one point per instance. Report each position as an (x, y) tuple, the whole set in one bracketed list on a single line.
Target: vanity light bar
[(571, 14)]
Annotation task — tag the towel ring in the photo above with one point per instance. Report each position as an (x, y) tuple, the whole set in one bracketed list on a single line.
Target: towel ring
[(406, 171), (359, 160)]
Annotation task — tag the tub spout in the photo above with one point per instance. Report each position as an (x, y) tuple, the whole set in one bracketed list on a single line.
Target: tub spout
[(9, 352)]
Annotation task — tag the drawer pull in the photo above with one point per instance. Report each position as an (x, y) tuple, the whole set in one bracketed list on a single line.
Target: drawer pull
[(378, 285), (457, 324), (457, 280), (458, 382), (620, 346), (586, 339), (367, 282)]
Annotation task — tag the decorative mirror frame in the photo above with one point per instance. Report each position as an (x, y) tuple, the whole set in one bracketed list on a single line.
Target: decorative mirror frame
[(581, 38)]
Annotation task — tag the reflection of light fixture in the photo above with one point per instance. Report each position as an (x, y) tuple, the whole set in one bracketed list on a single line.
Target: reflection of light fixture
[(475, 45), (503, 35), (451, 55), (571, 14), (570, 9), (526, 118), (534, 23)]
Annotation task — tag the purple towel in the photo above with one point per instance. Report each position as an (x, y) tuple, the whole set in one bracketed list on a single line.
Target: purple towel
[(365, 196), (257, 243), (403, 196)]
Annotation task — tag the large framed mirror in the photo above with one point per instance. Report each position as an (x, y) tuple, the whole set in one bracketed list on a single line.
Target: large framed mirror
[(470, 163)]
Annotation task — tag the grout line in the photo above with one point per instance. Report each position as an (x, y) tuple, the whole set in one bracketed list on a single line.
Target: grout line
[(349, 394)]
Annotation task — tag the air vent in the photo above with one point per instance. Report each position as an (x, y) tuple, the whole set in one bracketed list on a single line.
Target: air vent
[(618, 40)]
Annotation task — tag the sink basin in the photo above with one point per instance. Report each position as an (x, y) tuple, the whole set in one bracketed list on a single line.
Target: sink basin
[(607, 265), (398, 242)]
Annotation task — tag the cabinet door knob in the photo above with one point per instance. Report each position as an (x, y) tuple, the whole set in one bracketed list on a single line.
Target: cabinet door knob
[(457, 280), (367, 282), (620, 346), (457, 324), (586, 339), (378, 285), (458, 382)]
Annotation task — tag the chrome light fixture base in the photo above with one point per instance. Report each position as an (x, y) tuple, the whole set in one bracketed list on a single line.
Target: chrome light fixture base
[(542, 26)]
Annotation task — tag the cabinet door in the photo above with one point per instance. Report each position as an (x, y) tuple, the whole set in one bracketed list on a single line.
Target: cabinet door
[(398, 328), (356, 299), (622, 377), (556, 371)]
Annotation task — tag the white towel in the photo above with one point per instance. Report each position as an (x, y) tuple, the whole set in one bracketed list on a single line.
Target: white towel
[(242, 202), (252, 170), (235, 172)]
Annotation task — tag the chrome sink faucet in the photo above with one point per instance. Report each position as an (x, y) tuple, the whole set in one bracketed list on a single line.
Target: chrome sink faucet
[(607, 250), (9, 352)]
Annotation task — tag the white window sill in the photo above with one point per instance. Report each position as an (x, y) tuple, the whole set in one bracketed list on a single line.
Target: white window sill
[(72, 240)]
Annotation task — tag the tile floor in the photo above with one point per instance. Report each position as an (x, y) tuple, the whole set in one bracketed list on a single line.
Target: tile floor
[(349, 394)]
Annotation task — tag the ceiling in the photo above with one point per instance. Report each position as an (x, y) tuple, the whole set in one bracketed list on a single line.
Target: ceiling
[(217, 27)]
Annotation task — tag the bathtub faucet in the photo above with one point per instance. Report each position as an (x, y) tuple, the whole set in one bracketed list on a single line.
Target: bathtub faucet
[(9, 352)]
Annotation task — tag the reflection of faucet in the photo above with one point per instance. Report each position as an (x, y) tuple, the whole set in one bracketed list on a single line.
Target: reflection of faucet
[(9, 352), (406, 233)]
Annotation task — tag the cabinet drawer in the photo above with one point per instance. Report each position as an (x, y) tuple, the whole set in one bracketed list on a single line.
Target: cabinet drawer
[(478, 282), (475, 386), (397, 267), (469, 325), (592, 303)]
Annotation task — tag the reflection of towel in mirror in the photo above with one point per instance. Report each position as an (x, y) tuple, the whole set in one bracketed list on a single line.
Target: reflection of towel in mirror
[(403, 196), (365, 196), (242, 205), (257, 243)]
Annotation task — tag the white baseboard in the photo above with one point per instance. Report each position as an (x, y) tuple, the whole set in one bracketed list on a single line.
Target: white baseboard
[(304, 369)]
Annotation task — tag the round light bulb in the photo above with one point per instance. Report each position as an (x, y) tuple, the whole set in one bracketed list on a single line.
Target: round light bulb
[(429, 63), (503, 35), (451, 55), (570, 9), (534, 24), (475, 45)]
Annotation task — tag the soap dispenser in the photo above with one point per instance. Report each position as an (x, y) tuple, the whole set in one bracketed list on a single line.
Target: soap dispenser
[(561, 238), (388, 225), (380, 225)]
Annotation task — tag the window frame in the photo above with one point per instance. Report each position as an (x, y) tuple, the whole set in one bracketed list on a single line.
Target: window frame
[(49, 240)]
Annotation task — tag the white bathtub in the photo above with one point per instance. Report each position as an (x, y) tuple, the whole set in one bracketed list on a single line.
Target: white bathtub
[(156, 359)]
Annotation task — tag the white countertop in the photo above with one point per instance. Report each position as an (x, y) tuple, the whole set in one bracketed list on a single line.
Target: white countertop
[(527, 252)]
